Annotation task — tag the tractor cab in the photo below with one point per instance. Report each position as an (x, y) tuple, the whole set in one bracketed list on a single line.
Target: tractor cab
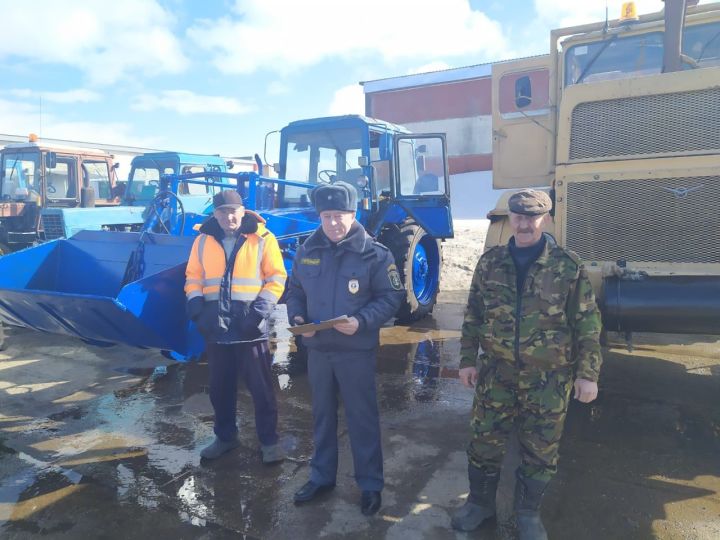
[(146, 171), (396, 173), (34, 177)]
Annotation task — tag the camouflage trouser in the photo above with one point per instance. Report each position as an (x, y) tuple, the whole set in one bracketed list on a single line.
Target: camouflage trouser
[(534, 404)]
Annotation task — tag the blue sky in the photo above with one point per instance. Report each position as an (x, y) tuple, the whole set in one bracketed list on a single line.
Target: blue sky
[(216, 76)]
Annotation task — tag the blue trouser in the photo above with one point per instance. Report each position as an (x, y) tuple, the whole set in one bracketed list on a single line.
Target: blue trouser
[(252, 361), (352, 376)]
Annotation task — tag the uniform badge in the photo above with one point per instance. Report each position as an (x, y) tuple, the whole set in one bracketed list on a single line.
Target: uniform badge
[(394, 278), (353, 286)]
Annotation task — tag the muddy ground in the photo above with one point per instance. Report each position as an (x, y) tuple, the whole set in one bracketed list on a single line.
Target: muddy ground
[(103, 443)]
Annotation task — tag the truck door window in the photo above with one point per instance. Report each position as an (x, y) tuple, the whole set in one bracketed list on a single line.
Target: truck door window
[(421, 166), (60, 181)]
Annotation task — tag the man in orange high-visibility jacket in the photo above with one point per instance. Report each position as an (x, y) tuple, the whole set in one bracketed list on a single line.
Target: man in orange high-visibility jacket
[(234, 277)]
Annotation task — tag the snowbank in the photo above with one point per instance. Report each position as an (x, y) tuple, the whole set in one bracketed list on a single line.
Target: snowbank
[(460, 254)]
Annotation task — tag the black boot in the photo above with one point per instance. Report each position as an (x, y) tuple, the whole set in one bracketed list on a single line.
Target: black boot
[(480, 503), (528, 494)]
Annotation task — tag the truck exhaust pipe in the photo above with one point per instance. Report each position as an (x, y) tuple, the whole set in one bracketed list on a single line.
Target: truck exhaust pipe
[(662, 304)]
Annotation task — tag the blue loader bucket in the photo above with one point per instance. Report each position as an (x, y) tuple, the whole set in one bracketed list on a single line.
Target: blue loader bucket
[(75, 287)]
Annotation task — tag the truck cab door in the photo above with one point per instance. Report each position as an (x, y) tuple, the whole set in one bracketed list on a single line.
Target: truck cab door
[(421, 183), (522, 123)]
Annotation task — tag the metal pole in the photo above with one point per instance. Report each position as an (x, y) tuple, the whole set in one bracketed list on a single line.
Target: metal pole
[(672, 38)]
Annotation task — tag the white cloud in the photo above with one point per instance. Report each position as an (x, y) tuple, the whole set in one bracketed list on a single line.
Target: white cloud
[(104, 39), (348, 100), (17, 118), (79, 95), (276, 88), (281, 36), (427, 68), (561, 13), (187, 102)]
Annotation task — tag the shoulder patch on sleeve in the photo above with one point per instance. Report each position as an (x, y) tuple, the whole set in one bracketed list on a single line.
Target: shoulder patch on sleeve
[(310, 261), (394, 277)]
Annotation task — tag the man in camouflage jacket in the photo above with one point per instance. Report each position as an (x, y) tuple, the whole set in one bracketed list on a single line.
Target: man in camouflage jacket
[(532, 311)]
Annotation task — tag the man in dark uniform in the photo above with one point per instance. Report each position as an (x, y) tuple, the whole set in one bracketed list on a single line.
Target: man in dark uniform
[(341, 270), (532, 310)]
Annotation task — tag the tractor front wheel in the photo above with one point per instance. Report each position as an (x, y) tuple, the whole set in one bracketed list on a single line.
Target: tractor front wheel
[(418, 257)]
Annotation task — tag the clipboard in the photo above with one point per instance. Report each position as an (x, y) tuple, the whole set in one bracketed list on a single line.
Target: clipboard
[(314, 327)]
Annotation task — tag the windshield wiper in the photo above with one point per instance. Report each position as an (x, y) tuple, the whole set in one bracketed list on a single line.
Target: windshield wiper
[(594, 58), (706, 45)]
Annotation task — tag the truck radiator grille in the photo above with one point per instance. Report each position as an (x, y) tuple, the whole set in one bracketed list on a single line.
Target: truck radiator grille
[(671, 220), (647, 125), (53, 226)]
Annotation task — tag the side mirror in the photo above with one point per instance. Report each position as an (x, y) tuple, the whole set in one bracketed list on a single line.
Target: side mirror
[(229, 165), (116, 165), (420, 163), (51, 160), (363, 161), (421, 149), (276, 168), (523, 92)]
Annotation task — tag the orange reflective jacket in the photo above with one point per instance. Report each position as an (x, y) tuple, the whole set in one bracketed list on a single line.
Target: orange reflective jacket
[(258, 272)]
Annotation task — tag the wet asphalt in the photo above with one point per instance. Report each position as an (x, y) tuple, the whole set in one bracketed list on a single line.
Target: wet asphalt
[(104, 443)]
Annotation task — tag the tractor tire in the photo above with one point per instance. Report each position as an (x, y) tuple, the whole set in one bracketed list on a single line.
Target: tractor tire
[(418, 257)]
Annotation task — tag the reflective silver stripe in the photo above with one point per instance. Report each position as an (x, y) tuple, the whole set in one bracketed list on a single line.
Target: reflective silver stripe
[(244, 296), (201, 249), (261, 248), (189, 281), (212, 295), (247, 281), (267, 295), (212, 281), (193, 294), (276, 279)]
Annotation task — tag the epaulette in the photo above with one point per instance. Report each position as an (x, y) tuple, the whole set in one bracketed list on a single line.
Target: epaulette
[(373, 253), (492, 251), (381, 246), (569, 254), (265, 234)]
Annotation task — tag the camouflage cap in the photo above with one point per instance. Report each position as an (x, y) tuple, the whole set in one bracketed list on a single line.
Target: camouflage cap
[(530, 202)]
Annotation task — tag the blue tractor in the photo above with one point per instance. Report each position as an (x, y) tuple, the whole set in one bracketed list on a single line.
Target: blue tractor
[(127, 287)]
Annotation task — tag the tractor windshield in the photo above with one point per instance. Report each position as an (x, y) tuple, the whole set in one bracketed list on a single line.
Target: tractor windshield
[(20, 176), (321, 156)]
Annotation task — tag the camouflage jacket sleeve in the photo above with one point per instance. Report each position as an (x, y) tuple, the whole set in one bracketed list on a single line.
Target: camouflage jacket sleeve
[(474, 315), (584, 317)]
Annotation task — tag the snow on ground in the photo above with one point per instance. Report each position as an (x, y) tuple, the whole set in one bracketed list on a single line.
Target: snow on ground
[(460, 254)]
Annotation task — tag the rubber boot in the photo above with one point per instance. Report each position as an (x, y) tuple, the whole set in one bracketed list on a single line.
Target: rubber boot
[(528, 494), (480, 504)]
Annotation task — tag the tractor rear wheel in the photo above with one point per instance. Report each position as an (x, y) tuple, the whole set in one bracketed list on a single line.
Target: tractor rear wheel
[(418, 257)]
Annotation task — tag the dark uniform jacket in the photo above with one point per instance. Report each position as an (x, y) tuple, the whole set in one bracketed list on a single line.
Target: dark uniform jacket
[(552, 323), (356, 277)]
